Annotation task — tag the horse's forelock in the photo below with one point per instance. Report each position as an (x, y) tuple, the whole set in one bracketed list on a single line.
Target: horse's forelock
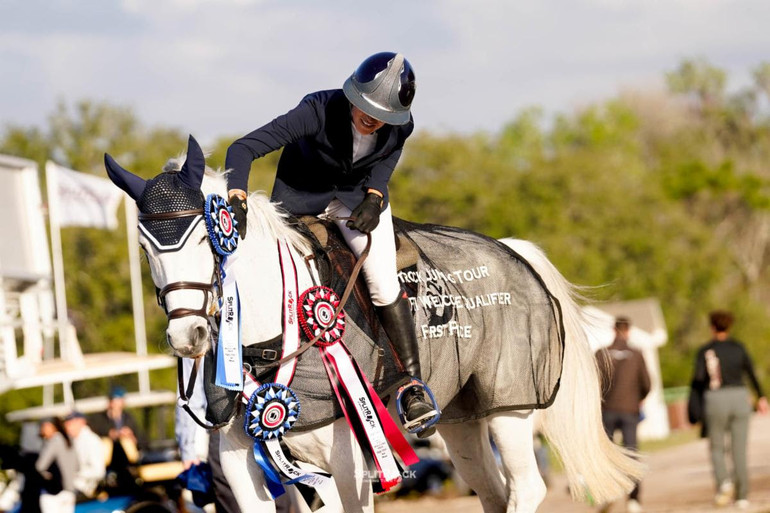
[(173, 165)]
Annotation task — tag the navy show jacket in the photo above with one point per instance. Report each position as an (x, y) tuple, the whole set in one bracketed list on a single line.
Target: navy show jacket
[(316, 165)]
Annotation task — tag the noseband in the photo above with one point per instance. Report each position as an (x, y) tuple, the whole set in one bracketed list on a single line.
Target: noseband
[(206, 288)]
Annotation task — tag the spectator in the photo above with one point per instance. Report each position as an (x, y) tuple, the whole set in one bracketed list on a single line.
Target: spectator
[(626, 383), (123, 435), (58, 466), (196, 444), (90, 454), (720, 367)]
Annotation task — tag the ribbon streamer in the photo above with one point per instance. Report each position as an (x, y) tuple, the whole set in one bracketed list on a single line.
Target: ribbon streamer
[(229, 354)]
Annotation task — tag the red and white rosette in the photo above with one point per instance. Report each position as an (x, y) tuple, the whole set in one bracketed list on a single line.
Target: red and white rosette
[(318, 306)]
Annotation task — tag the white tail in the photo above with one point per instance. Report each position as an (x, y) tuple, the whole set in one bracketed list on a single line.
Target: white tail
[(597, 469)]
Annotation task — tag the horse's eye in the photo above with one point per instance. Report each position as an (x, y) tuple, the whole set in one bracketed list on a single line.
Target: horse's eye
[(203, 239)]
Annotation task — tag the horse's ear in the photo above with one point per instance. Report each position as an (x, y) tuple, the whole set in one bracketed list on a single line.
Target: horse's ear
[(126, 180), (194, 166)]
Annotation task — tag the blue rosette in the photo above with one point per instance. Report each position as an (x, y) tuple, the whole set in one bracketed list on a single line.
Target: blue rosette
[(272, 411), (221, 225)]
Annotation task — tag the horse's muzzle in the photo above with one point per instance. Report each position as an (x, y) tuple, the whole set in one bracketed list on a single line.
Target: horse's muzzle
[(188, 337)]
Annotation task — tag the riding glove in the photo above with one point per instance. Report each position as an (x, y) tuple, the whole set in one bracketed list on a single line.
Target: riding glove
[(240, 209), (366, 216)]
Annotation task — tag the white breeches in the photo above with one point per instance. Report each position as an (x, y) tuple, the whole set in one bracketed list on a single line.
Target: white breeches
[(379, 268)]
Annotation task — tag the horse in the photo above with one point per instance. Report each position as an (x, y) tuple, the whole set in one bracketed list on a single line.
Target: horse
[(182, 264)]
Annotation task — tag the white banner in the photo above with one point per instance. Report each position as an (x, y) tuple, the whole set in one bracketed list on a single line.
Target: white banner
[(84, 200)]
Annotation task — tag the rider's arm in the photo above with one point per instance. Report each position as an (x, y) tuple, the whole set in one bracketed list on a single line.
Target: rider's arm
[(301, 121), (382, 171)]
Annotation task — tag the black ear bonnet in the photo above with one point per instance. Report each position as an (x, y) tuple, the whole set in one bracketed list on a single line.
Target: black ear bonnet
[(168, 193)]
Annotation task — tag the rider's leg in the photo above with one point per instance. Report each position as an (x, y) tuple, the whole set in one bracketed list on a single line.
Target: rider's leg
[(379, 268), (397, 321), (381, 277)]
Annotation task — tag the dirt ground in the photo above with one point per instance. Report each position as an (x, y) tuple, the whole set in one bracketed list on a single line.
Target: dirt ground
[(679, 480)]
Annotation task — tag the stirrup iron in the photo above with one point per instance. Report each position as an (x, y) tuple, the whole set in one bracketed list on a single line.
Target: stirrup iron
[(420, 424)]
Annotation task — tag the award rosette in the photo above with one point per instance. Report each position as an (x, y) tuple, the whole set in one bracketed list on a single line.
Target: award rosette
[(272, 411), (317, 314), (221, 224)]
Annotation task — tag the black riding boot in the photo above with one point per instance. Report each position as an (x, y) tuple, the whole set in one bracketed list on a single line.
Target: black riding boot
[(398, 323)]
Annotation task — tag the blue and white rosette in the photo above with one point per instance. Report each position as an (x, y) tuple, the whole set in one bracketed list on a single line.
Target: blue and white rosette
[(272, 411), (221, 225), (223, 232)]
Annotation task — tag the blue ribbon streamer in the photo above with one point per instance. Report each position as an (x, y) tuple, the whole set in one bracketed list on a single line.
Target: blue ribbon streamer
[(272, 478)]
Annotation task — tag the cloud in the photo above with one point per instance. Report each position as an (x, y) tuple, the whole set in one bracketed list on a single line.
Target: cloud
[(215, 67)]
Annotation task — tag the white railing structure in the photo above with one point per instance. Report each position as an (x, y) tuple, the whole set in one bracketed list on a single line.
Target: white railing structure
[(33, 302)]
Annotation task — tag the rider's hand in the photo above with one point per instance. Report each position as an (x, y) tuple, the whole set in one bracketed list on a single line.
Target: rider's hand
[(367, 214), (237, 200)]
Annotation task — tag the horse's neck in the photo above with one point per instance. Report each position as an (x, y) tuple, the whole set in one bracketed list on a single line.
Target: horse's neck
[(260, 287)]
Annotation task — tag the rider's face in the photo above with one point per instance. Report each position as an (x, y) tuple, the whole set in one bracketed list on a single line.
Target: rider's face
[(364, 123)]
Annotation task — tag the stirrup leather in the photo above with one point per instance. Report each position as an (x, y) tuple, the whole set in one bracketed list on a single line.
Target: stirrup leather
[(423, 422)]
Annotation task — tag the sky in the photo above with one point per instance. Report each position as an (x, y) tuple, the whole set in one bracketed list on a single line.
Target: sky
[(224, 67)]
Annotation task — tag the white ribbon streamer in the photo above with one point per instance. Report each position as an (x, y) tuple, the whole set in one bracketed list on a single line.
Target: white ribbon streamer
[(366, 412), (290, 322), (229, 357)]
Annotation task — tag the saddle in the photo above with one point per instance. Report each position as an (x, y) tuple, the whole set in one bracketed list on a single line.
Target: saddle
[(406, 251)]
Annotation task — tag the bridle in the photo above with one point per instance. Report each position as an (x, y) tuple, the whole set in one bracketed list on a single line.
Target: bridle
[(206, 288), (185, 392)]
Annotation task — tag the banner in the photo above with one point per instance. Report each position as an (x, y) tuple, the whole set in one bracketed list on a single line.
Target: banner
[(83, 199)]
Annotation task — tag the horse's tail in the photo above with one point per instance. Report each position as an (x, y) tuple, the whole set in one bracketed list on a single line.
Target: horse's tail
[(597, 469)]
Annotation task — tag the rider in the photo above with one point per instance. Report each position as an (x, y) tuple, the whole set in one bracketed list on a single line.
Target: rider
[(340, 148)]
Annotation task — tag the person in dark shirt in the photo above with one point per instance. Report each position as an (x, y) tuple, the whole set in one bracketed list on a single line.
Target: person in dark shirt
[(121, 430), (720, 367), (625, 384), (340, 148)]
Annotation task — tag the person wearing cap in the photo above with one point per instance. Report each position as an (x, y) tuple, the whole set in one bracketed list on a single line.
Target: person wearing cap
[(90, 454), (122, 436), (340, 148)]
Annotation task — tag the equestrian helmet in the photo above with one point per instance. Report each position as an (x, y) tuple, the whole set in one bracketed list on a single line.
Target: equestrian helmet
[(383, 87)]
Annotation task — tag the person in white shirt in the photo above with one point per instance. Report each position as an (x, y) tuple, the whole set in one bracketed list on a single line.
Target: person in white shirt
[(90, 454)]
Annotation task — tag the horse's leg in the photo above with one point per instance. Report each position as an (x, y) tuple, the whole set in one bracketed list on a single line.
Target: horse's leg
[(334, 448), (240, 469), (512, 433), (471, 453)]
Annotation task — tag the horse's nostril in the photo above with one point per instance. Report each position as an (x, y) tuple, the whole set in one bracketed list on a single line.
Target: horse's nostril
[(200, 333)]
